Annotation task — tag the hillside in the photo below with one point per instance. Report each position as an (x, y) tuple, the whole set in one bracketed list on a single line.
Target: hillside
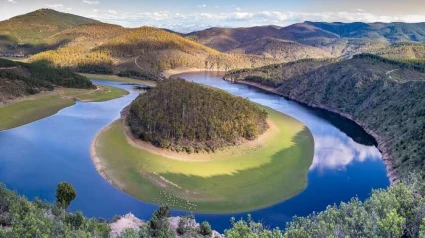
[(336, 39), (21, 79), (274, 75), (29, 33), (383, 95), (146, 50), (180, 115), (407, 51), (280, 49)]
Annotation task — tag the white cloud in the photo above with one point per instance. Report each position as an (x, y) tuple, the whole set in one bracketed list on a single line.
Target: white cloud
[(91, 2), (11, 1), (336, 153), (55, 6), (185, 22), (202, 6)]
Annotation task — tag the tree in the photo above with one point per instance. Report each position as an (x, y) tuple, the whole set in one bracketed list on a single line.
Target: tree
[(205, 229), (392, 225), (65, 193)]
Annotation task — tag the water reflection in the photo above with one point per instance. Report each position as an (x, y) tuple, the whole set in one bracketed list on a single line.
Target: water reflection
[(334, 149), (35, 157), (335, 153)]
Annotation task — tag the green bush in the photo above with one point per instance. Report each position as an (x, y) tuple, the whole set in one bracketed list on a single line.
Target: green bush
[(65, 193)]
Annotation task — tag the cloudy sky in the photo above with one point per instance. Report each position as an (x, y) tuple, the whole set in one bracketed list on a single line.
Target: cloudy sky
[(189, 15)]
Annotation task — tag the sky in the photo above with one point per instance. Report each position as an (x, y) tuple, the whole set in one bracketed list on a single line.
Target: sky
[(191, 15)]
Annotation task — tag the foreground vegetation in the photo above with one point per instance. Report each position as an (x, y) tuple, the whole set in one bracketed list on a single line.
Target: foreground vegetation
[(22, 218), (180, 115), (384, 95), (239, 178), (398, 211)]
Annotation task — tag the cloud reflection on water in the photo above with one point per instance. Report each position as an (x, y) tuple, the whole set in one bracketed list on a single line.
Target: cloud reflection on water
[(336, 153)]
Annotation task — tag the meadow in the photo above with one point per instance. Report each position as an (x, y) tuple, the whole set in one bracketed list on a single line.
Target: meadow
[(239, 178), (39, 106), (108, 77)]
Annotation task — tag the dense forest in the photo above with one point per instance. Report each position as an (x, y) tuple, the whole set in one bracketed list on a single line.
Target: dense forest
[(19, 79), (273, 75), (180, 115), (384, 95)]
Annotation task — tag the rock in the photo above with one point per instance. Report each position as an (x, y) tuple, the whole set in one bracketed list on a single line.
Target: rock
[(128, 221)]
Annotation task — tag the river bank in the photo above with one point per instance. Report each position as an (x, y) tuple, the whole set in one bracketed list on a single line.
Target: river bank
[(245, 172), (28, 109), (173, 72), (382, 144)]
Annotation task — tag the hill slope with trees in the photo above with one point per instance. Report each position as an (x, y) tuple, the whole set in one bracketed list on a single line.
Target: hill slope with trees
[(383, 95), (273, 75), (30, 33), (182, 115), (21, 79), (146, 50)]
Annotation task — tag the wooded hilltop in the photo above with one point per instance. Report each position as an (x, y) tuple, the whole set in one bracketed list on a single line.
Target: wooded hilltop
[(181, 115)]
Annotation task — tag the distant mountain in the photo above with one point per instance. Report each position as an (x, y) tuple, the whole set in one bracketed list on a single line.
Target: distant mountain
[(389, 32), (227, 39), (31, 32), (281, 49), (337, 39)]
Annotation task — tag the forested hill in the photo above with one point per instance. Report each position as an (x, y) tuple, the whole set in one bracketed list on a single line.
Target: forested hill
[(405, 51), (385, 96), (21, 79), (273, 75), (30, 33), (146, 50), (180, 115)]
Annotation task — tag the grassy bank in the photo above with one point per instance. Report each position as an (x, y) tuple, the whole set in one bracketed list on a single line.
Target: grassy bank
[(239, 178), (45, 104), (116, 78)]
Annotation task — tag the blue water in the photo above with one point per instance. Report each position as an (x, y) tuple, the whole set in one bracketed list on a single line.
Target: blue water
[(35, 157)]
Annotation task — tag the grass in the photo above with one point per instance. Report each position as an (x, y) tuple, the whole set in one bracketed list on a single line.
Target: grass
[(119, 79), (45, 104), (103, 93), (237, 179)]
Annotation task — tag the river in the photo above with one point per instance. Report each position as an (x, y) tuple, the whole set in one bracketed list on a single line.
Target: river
[(35, 157)]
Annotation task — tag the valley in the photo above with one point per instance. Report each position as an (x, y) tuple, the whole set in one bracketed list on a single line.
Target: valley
[(296, 126)]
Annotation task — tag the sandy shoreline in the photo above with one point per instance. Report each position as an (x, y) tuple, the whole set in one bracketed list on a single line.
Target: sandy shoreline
[(171, 72), (202, 156), (180, 156), (97, 160), (382, 145)]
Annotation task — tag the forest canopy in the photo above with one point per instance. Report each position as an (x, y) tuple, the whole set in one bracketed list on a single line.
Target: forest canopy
[(180, 115), (21, 79)]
